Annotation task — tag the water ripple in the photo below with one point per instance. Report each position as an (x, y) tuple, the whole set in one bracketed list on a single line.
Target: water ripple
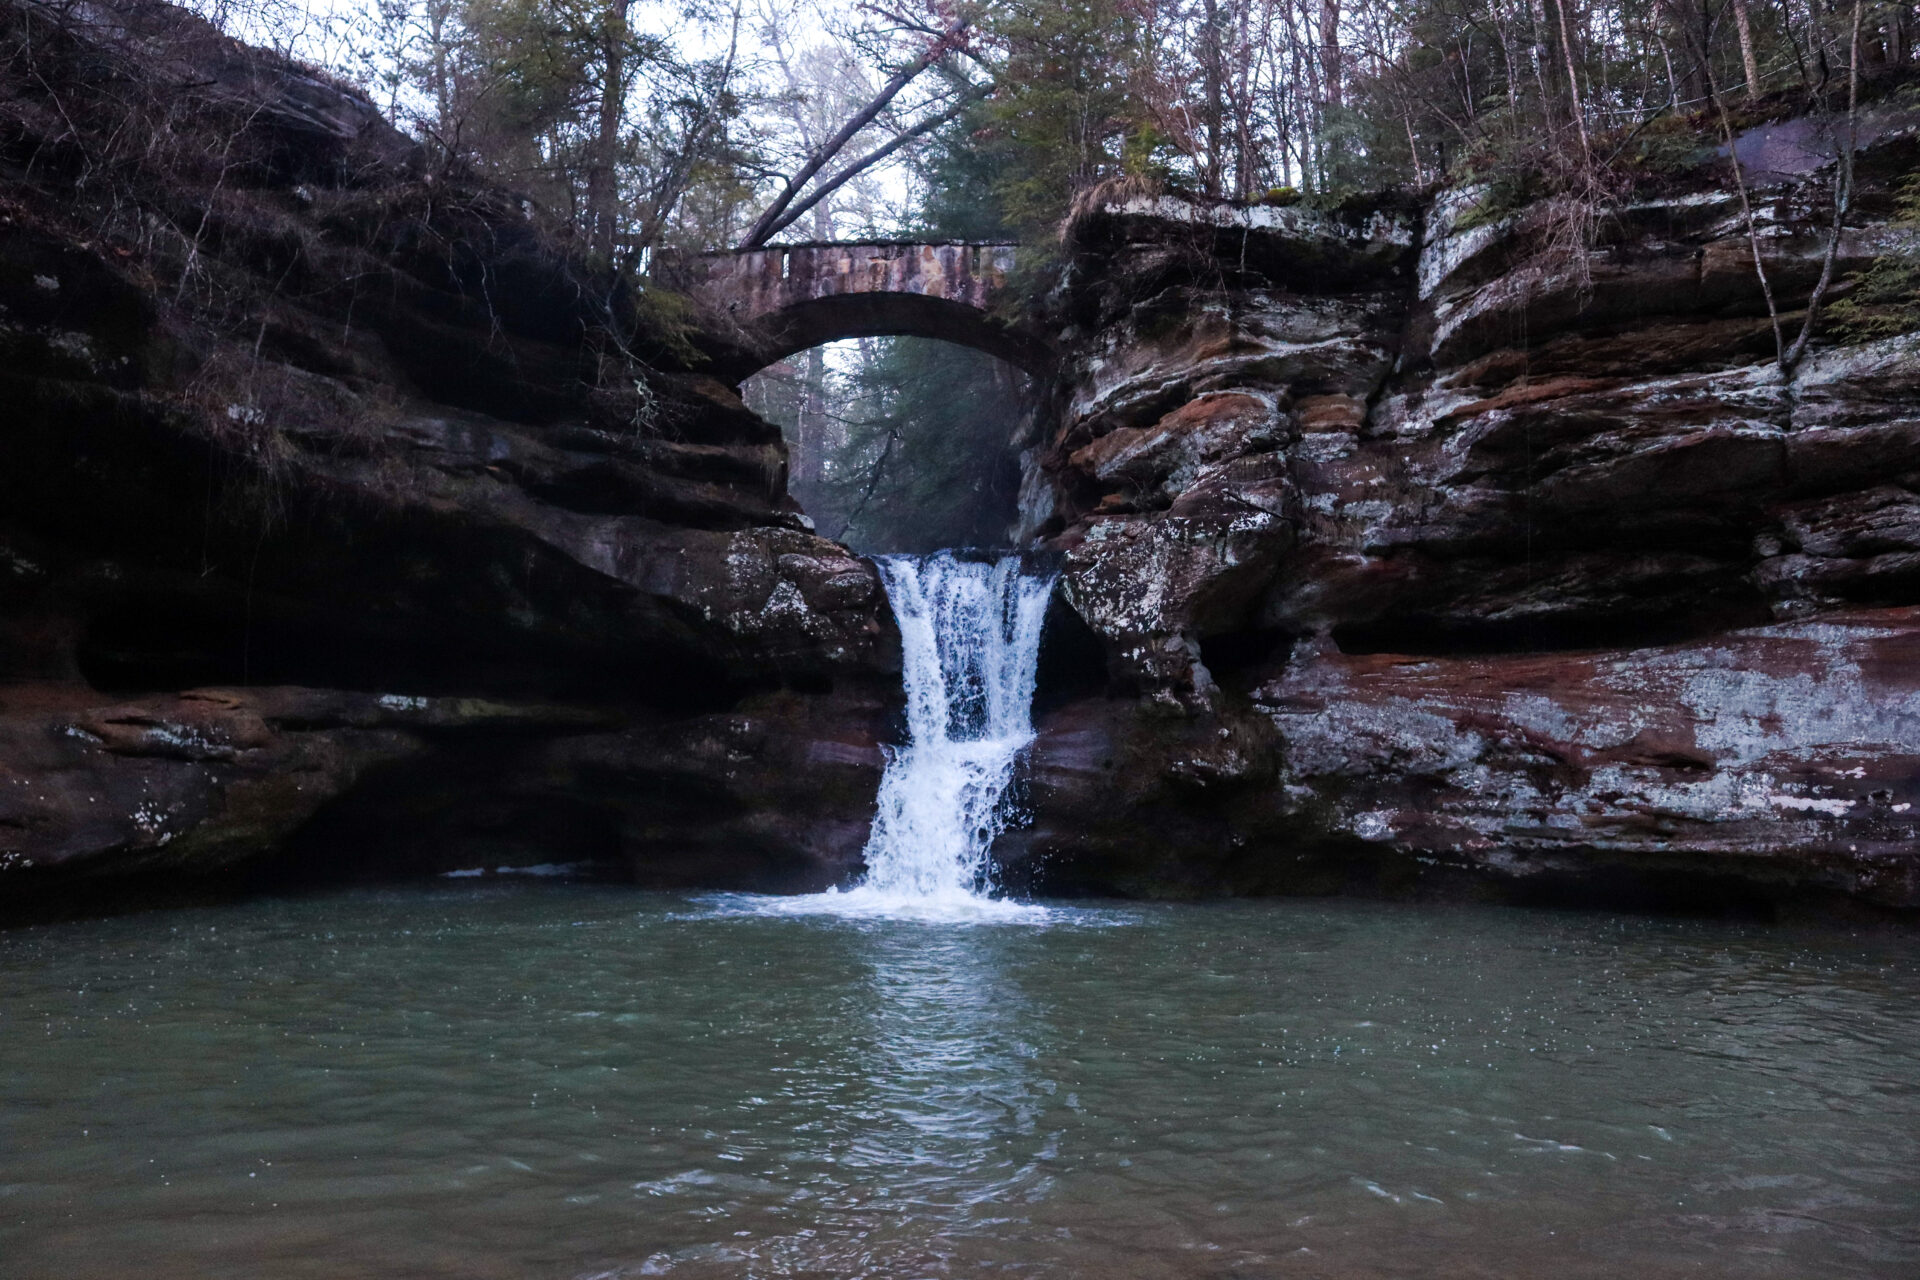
[(541, 1080)]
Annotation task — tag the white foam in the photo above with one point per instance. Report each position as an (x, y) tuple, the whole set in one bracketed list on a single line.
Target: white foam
[(864, 902), (860, 905), (970, 649)]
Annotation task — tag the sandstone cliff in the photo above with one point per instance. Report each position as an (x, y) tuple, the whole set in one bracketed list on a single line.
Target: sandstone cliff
[(1425, 552), (337, 495), (352, 524)]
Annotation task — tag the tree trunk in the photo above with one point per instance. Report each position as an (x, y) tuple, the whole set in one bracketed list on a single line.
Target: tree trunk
[(1244, 163), (1842, 201), (1542, 53), (1573, 81), (1330, 51), (1747, 60), (861, 119), (439, 40), (1309, 107), (1694, 82), (1746, 211), (602, 188), (1793, 42), (855, 167), (811, 430), (1817, 45), (1212, 90)]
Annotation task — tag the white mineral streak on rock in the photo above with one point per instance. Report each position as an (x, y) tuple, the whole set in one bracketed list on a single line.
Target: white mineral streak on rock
[(785, 600), (1373, 826), (1706, 747), (1297, 222), (1444, 255), (1828, 366), (1833, 808)]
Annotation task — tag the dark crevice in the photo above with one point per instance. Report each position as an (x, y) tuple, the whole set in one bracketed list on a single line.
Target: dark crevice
[(159, 645), (1073, 660), (1237, 659), (1305, 867), (466, 806)]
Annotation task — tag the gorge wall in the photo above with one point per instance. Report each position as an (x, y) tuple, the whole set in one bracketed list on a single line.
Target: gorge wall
[(1429, 555), (351, 523)]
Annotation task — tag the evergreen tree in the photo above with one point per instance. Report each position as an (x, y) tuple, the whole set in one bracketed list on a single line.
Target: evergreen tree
[(1074, 89)]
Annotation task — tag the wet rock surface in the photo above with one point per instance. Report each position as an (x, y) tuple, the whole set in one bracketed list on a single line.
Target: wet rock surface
[(1788, 755), (1456, 564), (322, 470), (351, 524)]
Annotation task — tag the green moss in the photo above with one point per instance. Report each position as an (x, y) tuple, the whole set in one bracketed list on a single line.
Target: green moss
[(1667, 145), (665, 322), (1508, 192), (1885, 298)]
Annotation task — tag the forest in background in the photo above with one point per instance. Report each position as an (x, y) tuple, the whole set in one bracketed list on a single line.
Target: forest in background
[(643, 125), (708, 124), (900, 444)]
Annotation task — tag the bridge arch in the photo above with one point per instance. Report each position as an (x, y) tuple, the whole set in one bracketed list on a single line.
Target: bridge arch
[(784, 299)]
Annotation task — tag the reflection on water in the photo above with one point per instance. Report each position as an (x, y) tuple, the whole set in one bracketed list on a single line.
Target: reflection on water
[(569, 1081), (927, 1108)]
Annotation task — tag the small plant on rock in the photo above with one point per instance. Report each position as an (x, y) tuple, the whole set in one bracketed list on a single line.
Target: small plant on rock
[(1885, 298)]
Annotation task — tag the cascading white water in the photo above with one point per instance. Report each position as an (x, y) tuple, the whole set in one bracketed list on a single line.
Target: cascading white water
[(970, 647)]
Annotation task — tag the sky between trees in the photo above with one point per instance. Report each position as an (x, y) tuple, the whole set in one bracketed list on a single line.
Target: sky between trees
[(683, 122)]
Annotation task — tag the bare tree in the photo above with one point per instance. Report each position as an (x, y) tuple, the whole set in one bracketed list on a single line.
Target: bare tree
[(1744, 25), (1842, 202), (824, 153), (1330, 50)]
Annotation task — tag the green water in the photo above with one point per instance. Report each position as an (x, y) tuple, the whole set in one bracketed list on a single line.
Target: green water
[(570, 1081)]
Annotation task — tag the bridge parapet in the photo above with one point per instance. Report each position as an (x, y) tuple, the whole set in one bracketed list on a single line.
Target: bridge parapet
[(762, 281), (789, 297)]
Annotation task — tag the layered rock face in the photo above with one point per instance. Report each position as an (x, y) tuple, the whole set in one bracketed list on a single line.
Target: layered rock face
[(351, 524), (336, 496), (1425, 551)]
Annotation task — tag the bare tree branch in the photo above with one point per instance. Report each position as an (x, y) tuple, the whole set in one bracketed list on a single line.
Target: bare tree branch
[(828, 186), (827, 150), (1842, 200)]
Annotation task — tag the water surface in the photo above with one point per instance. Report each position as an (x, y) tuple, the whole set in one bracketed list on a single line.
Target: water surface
[(543, 1080)]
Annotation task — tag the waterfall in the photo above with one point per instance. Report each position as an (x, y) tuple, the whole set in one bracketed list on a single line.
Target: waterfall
[(970, 649), (970, 646)]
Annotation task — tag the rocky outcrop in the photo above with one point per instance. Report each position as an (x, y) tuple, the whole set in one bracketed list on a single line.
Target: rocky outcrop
[(1783, 756), (321, 469), (352, 523), (1423, 550)]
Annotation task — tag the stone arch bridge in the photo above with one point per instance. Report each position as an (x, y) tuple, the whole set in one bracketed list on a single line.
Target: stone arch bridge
[(786, 298)]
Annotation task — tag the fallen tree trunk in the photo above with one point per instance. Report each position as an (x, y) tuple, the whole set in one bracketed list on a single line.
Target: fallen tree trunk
[(770, 221)]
